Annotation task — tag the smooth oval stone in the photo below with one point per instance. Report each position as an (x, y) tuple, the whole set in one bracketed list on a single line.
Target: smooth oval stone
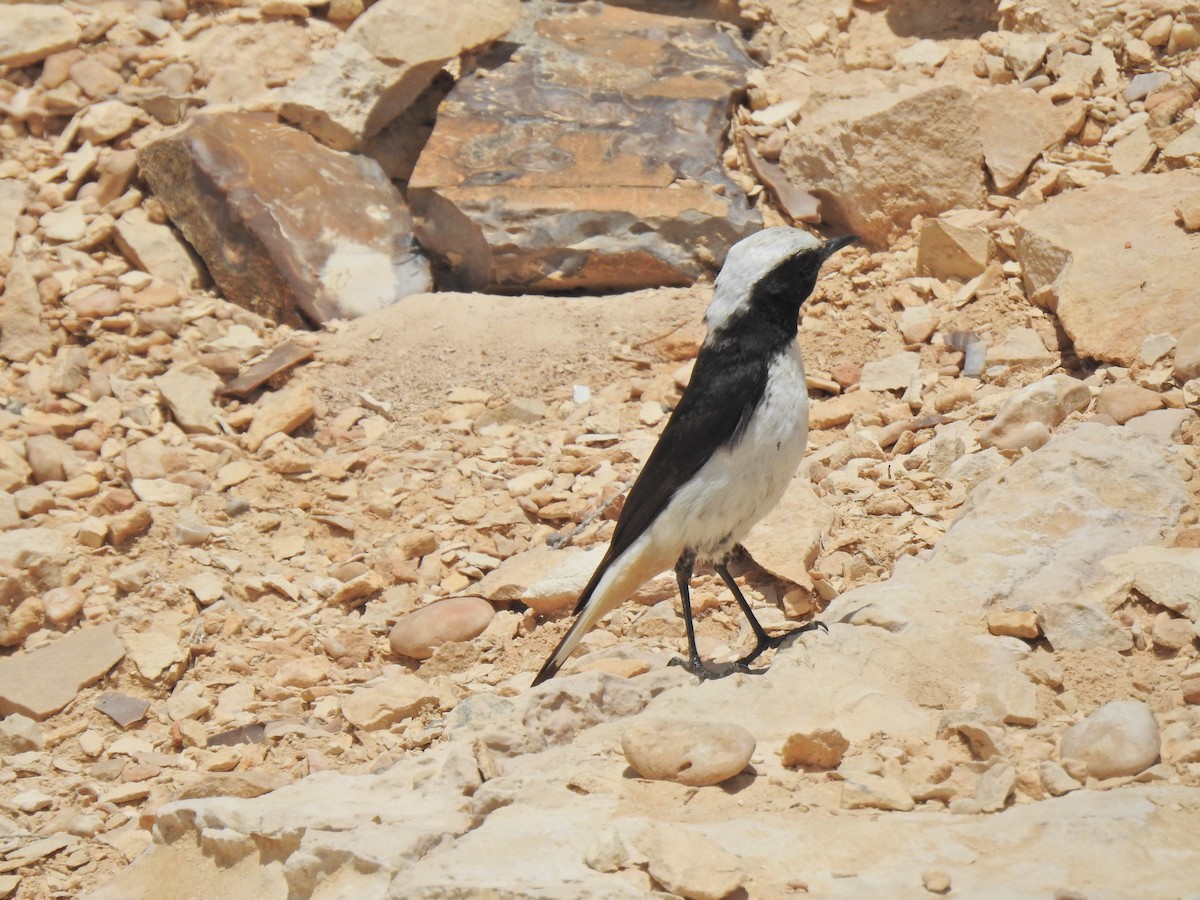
[(1120, 738), (692, 753), (422, 631)]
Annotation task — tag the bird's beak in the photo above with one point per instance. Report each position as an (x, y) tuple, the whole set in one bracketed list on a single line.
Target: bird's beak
[(833, 245)]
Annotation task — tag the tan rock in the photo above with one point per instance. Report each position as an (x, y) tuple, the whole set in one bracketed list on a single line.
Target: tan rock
[(787, 540), (1015, 126), (822, 749), (1018, 623), (1109, 258), (839, 410), (878, 161), (419, 633), (40, 683), (386, 58), (862, 791), (157, 249), (954, 245), (1043, 404), (23, 334), (396, 698), (1120, 738), (692, 753), (33, 31), (188, 392), (690, 865), (280, 412), (1124, 400)]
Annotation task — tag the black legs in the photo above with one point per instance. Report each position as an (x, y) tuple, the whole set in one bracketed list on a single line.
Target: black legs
[(763, 641)]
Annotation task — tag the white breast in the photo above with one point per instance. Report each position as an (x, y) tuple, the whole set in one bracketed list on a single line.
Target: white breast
[(740, 484)]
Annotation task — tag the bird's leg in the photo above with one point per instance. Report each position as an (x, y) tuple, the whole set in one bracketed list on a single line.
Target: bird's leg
[(683, 575), (763, 641)]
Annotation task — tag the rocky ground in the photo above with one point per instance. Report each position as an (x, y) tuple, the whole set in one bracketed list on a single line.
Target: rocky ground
[(225, 541)]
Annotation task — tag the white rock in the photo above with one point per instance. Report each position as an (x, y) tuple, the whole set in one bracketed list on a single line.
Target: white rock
[(1044, 403), (1168, 576), (892, 373), (32, 32), (863, 791), (690, 865), (1120, 738)]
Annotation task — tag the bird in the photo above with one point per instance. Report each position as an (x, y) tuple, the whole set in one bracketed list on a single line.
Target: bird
[(728, 450)]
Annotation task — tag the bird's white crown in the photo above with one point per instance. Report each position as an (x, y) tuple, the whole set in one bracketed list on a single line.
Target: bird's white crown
[(749, 260)]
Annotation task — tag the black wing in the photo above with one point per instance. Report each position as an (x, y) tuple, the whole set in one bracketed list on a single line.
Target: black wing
[(725, 389)]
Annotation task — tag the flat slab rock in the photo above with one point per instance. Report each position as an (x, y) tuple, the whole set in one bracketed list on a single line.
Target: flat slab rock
[(1114, 262), (590, 159), (289, 229)]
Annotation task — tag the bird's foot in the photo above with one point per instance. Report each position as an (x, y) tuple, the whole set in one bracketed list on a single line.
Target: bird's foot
[(773, 642), (709, 671)]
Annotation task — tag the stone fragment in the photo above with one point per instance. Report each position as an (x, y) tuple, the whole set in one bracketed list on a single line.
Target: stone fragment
[(63, 604), (693, 753), (107, 120), (19, 734), (121, 708), (63, 224), (1133, 152), (688, 864), (878, 161), (161, 492), (1014, 623), (995, 786), (1124, 400), (158, 655), (384, 61), (1165, 425), (188, 392), (839, 410), (863, 791), (14, 196), (396, 698), (589, 160), (1170, 633), (821, 749), (419, 633), (1015, 126), (156, 249), (787, 540), (892, 373), (1055, 779), (1077, 624), (207, 587), (1021, 347), (1187, 354), (125, 526), (40, 683), (279, 412), (23, 334), (1120, 738), (1042, 405), (289, 229), (918, 323), (1024, 53), (278, 360), (1168, 576), (563, 707), (34, 31), (562, 586), (48, 458), (954, 245), (1110, 260)]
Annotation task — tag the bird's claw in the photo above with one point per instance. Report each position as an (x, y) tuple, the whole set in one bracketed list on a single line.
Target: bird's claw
[(711, 671), (774, 642)]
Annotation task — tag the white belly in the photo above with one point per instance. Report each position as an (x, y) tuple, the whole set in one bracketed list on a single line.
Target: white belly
[(740, 484)]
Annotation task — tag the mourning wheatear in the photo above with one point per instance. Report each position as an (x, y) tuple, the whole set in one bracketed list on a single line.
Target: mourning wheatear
[(730, 448)]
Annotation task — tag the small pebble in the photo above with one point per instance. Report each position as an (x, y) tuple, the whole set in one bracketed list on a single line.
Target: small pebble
[(1120, 738)]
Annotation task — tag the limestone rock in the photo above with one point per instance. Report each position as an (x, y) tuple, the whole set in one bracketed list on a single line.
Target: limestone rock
[(1168, 576), (32, 32), (1042, 405), (690, 865), (876, 162), (822, 749), (561, 586), (395, 698), (23, 334), (382, 64), (283, 411), (157, 249), (562, 707), (954, 245), (692, 753), (40, 683), (14, 195), (591, 159), (188, 392), (862, 791), (1111, 261), (419, 633), (1015, 126), (1120, 738), (1125, 400), (892, 373), (289, 229)]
